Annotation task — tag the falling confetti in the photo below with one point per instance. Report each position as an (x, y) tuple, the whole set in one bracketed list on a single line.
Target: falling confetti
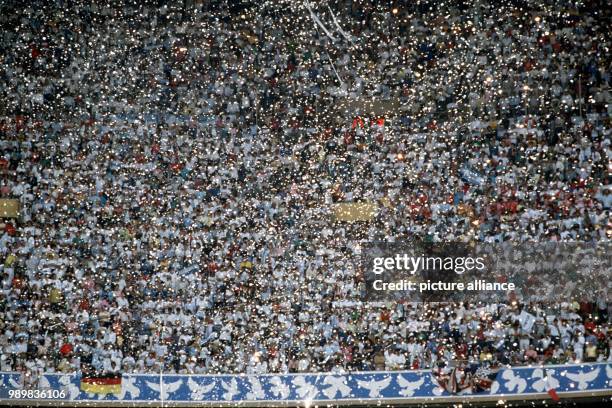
[(169, 173)]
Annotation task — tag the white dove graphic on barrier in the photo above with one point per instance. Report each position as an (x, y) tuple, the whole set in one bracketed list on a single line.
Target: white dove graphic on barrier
[(437, 391), (168, 388), (66, 383), (128, 386), (257, 391), (43, 383), (514, 383), (279, 388), (198, 390), (494, 387), (409, 387), (375, 387), (231, 389), (583, 378), (336, 385), (305, 390), (544, 381), (14, 383)]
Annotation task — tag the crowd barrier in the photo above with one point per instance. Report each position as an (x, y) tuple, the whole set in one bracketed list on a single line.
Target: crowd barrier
[(312, 389)]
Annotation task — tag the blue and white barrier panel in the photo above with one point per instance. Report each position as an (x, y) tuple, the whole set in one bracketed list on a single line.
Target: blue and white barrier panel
[(564, 381)]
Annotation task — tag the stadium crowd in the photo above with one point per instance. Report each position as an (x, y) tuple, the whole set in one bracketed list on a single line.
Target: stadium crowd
[(176, 166)]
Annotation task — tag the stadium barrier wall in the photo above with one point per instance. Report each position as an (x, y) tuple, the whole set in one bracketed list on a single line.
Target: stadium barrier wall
[(569, 381)]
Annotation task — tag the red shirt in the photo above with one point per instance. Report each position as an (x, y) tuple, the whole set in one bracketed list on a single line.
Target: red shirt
[(66, 349)]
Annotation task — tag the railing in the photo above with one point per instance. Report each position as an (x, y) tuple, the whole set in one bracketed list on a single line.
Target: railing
[(405, 387)]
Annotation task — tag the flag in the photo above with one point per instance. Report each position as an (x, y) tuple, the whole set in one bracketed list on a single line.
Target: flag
[(553, 394), (446, 378), (101, 384), (483, 376), (527, 320), (451, 379), (478, 377), (354, 211), (471, 176), (357, 122), (551, 389)]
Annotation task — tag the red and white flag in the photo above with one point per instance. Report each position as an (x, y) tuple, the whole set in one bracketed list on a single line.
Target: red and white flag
[(550, 388)]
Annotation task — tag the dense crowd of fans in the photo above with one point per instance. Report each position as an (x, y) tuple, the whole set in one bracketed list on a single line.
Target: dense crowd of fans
[(176, 166)]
